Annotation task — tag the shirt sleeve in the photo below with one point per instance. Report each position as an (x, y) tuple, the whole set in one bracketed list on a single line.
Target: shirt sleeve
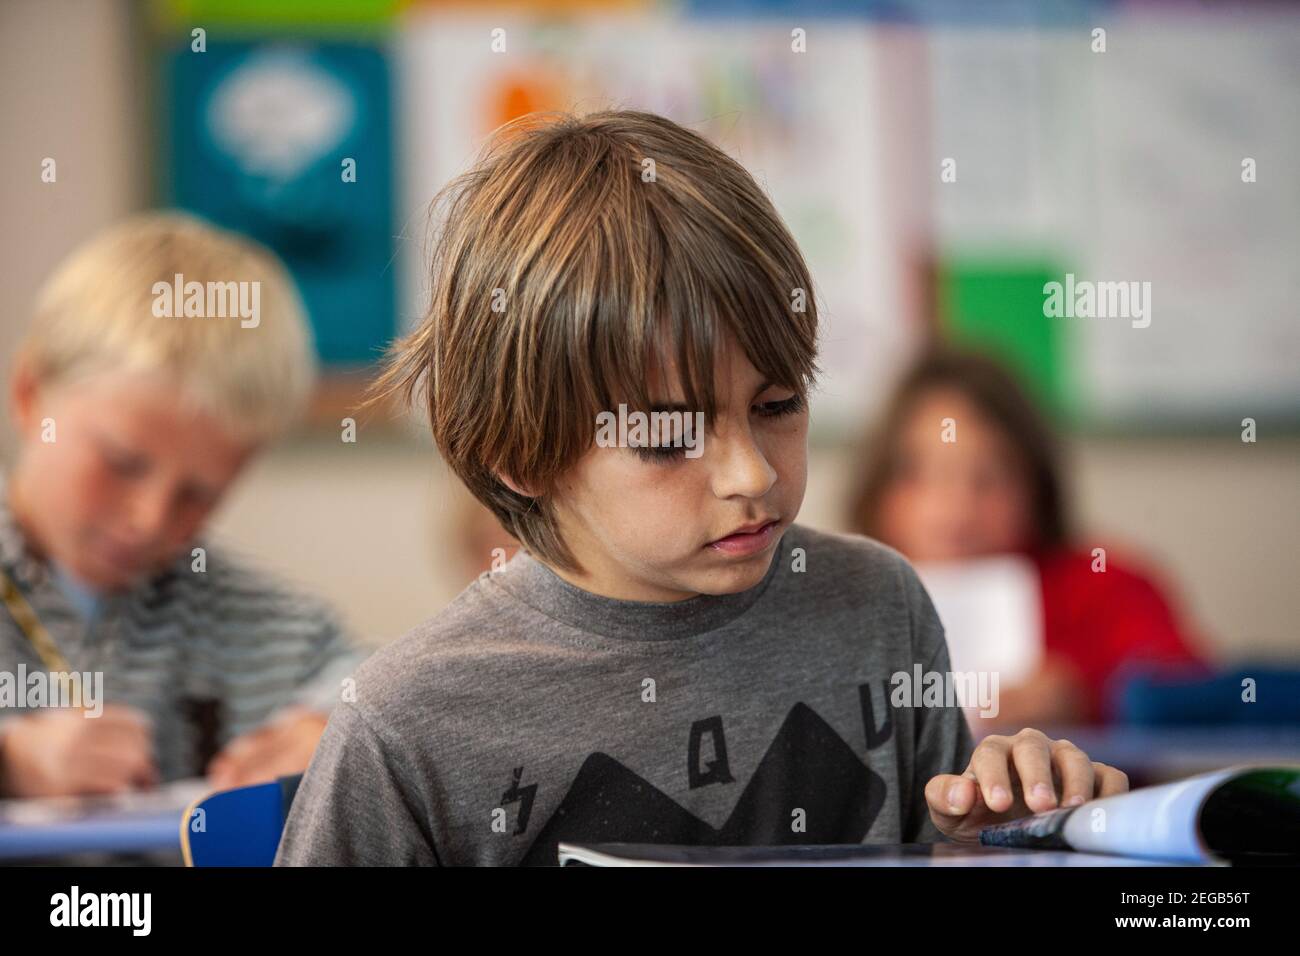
[(266, 646), (1108, 625), (942, 735), (355, 806), (330, 660)]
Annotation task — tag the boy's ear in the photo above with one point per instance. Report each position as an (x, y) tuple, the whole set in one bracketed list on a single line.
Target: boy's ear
[(24, 390)]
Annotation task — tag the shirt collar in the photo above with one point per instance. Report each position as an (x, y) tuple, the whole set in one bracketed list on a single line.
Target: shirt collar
[(536, 585), (15, 555)]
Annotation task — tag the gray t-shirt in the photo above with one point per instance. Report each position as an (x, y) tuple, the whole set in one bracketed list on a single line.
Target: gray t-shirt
[(531, 712)]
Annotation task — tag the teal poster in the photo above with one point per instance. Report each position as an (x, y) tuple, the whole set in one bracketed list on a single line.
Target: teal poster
[(290, 143)]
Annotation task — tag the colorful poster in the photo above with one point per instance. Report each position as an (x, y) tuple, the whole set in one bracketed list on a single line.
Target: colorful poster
[(291, 144), (805, 124)]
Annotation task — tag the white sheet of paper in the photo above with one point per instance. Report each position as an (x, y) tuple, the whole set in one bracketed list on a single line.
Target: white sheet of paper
[(991, 609)]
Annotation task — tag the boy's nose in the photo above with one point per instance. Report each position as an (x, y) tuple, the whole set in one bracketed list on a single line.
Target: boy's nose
[(740, 468), (150, 510)]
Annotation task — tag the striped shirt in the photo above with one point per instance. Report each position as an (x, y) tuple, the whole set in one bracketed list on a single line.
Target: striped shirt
[(228, 634)]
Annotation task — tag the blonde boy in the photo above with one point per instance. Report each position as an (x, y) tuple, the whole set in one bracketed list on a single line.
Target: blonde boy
[(670, 658), (135, 411)]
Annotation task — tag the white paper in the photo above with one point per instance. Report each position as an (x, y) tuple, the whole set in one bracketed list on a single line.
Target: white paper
[(1153, 822), (991, 609)]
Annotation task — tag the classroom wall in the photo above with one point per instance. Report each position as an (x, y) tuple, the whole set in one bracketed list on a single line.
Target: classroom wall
[(369, 524)]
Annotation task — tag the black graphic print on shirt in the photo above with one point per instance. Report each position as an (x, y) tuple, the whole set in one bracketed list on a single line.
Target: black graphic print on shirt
[(808, 766)]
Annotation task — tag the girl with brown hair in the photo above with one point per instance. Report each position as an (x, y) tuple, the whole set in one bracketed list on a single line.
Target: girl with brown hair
[(964, 466)]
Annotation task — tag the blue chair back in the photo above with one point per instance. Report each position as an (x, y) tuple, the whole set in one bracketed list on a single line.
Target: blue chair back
[(239, 827)]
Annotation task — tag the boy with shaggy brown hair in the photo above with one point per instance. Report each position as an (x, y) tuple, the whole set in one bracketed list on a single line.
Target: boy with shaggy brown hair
[(670, 658)]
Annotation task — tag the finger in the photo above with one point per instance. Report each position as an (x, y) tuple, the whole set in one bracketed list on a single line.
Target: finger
[(122, 715), (121, 727), (246, 743), (225, 774), (104, 773), (240, 754), (990, 763), (126, 735), (1076, 770), (247, 764), (221, 775), (120, 711), (275, 765), (287, 757), (951, 796), (136, 764), (1109, 780), (284, 754), (1031, 751), (224, 768), (129, 745)]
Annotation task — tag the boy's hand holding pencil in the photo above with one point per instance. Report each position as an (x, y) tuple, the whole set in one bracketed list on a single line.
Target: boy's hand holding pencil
[(65, 753)]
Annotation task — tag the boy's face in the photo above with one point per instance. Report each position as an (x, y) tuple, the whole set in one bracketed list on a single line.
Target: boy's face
[(129, 478), (648, 529)]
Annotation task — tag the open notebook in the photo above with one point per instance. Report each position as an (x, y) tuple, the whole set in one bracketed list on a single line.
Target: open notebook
[(1245, 815), (1241, 814), (906, 854)]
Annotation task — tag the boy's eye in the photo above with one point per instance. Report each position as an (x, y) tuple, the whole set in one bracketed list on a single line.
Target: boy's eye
[(660, 454), (124, 463), (664, 453), (787, 406), (198, 497)]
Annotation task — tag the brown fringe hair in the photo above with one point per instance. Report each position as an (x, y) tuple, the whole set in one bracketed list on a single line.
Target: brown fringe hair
[(564, 274)]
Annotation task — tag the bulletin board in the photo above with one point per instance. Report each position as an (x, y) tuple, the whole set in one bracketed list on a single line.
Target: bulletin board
[(1113, 166), (1127, 165)]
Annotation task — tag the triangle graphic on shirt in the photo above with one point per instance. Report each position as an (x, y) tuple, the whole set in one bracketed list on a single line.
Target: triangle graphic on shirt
[(808, 767)]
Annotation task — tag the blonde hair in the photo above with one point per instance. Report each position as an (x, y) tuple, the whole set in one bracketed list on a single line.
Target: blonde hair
[(564, 274), (98, 311)]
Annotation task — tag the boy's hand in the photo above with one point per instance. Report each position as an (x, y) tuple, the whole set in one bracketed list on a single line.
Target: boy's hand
[(1012, 777), (277, 749), (65, 753)]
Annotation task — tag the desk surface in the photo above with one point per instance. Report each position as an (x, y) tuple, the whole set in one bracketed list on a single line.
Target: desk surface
[(143, 822), (150, 822)]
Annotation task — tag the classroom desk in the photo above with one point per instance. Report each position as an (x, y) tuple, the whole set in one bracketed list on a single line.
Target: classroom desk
[(141, 827), (149, 824)]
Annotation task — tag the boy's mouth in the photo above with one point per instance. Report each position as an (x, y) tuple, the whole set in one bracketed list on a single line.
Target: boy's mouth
[(747, 540), (124, 558)]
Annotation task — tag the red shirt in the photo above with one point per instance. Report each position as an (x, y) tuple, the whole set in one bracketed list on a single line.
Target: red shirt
[(1100, 621)]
